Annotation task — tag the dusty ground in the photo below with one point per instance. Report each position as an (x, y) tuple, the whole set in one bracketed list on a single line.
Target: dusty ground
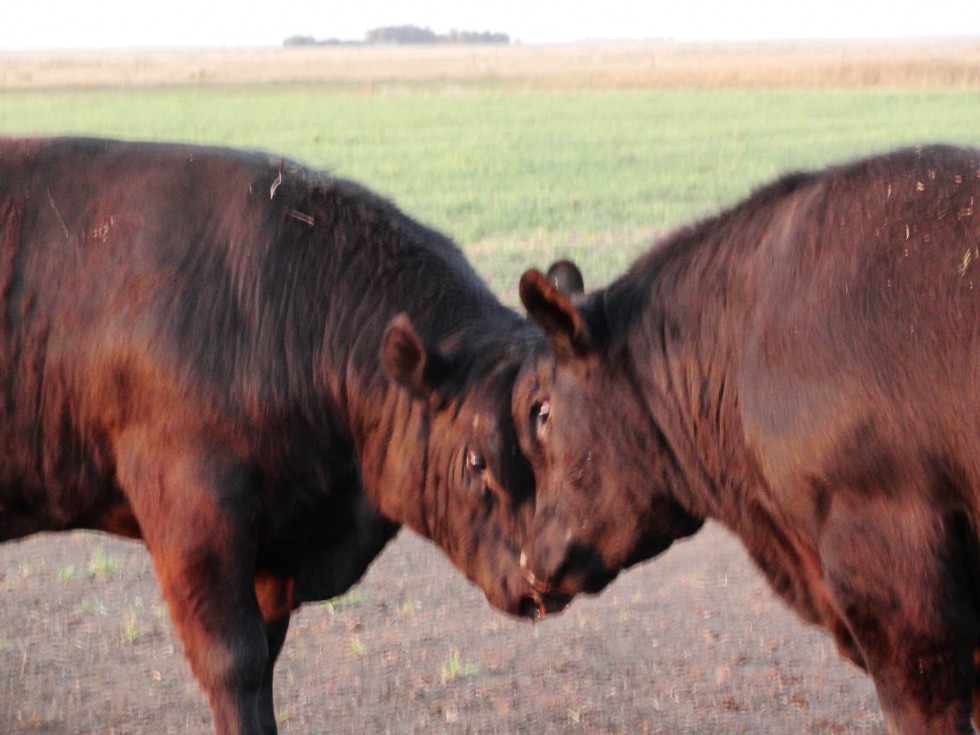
[(691, 643)]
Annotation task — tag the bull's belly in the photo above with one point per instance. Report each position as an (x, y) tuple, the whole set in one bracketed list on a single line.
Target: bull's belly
[(28, 511)]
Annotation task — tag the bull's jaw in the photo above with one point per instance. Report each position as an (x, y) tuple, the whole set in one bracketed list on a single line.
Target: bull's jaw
[(534, 605)]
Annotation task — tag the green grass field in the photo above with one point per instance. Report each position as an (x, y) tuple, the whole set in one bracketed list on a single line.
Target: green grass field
[(520, 178)]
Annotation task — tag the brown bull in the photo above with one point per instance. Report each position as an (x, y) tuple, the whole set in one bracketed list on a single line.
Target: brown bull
[(260, 371), (804, 368)]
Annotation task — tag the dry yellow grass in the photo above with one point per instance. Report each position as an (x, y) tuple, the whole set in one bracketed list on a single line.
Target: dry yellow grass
[(653, 65)]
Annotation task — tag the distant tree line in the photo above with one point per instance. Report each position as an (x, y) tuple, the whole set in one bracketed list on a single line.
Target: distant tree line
[(311, 41), (404, 35)]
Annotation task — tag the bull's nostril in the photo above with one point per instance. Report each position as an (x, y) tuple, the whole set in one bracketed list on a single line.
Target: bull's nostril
[(565, 570), (529, 608), (532, 579)]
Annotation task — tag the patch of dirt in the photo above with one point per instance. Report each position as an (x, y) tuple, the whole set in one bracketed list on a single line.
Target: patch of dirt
[(691, 643)]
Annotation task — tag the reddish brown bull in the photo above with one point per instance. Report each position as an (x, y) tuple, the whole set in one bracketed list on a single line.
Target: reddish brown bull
[(259, 370), (804, 368)]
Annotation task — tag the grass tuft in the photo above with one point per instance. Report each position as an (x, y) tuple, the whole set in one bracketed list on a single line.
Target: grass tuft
[(456, 668), (102, 565)]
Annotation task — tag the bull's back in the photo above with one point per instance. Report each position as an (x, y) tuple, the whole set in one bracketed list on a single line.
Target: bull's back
[(879, 275), (81, 218), (865, 344)]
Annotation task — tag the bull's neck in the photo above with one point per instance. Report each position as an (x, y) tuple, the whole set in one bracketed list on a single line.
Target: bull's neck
[(391, 432), (389, 429), (682, 351)]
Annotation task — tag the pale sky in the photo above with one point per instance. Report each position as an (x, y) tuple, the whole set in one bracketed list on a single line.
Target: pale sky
[(65, 24)]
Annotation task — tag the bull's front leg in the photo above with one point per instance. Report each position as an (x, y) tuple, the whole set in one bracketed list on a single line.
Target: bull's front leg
[(275, 635), (897, 577), (275, 597), (976, 689), (198, 515)]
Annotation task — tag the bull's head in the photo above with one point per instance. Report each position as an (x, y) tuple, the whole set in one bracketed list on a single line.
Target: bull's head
[(603, 470), (456, 434)]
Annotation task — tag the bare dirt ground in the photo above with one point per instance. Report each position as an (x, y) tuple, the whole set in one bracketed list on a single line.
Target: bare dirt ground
[(691, 643)]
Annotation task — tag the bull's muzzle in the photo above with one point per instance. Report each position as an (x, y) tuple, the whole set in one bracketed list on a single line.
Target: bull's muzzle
[(544, 600)]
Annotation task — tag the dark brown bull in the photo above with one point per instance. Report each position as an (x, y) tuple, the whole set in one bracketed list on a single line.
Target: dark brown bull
[(259, 370), (804, 368)]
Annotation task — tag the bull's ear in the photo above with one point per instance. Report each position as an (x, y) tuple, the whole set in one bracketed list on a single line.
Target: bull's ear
[(566, 276), (555, 313), (407, 361)]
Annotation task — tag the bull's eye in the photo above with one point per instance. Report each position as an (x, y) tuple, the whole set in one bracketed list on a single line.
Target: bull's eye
[(475, 461), (542, 415)]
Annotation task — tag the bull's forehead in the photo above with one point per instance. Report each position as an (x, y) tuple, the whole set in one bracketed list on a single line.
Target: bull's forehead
[(491, 396), (540, 369), (486, 421)]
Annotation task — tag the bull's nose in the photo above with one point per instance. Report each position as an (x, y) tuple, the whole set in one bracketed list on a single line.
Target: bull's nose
[(565, 570), (531, 577), (537, 606), (544, 600)]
